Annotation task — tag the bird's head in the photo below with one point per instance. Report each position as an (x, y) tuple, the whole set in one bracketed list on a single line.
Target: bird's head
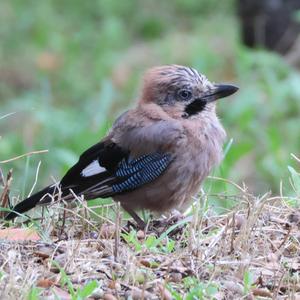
[(182, 91)]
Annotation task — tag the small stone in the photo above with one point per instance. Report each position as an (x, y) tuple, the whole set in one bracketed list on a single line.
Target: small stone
[(107, 231), (164, 292), (109, 297), (98, 293), (239, 221), (175, 277), (140, 235), (113, 285), (138, 294), (294, 217)]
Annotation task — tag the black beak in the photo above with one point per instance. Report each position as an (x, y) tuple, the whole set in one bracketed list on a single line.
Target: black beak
[(219, 91)]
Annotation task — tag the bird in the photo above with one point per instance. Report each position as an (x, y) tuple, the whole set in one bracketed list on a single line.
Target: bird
[(156, 155)]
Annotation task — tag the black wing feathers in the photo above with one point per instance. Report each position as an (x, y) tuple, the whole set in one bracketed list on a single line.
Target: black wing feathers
[(108, 155), (30, 202), (116, 173), (122, 173)]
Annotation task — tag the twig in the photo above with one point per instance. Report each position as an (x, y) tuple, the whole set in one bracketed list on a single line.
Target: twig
[(117, 232), (35, 180), (63, 217), (285, 237), (4, 199), (232, 234), (23, 155), (7, 115), (228, 181), (277, 289), (2, 178), (295, 157), (89, 209)]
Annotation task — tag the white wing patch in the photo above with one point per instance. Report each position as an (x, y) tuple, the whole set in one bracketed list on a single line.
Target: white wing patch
[(92, 169)]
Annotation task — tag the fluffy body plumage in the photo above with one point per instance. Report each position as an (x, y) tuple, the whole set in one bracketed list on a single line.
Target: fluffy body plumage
[(156, 155)]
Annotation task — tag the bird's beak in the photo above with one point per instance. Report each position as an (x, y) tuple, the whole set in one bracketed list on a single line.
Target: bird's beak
[(219, 91)]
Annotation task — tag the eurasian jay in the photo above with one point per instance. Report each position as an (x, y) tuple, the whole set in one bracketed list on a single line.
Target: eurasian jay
[(157, 154)]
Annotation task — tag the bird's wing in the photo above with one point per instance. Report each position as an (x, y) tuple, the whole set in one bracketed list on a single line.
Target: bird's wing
[(106, 169), (129, 157), (111, 168)]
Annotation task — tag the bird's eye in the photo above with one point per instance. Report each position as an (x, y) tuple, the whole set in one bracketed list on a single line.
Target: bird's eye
[(185, 94)]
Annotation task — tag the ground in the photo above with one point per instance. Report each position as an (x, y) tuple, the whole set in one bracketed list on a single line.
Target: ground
[(251, 252)]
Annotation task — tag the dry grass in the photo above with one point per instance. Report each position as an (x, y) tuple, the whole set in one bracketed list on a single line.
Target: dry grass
[(249, 253)]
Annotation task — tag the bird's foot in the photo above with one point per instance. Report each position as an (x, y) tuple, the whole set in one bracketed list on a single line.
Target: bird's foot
[(164, 224)]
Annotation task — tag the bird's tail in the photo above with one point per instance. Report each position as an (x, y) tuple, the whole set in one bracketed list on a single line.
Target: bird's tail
[(43, 196)]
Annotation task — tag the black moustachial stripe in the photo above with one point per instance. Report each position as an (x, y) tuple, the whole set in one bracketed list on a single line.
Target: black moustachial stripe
[(195, 107)]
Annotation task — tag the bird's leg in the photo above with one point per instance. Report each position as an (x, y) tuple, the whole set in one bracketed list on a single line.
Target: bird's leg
[(141, 224)]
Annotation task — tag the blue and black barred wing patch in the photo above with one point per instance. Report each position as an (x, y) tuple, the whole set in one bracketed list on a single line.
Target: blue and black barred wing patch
[(137, 172)]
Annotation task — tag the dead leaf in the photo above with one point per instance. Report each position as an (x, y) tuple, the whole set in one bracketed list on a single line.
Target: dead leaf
[(149, 263), (19, 234), (45, 283), (48, 61), (262, 293), (44, 252)]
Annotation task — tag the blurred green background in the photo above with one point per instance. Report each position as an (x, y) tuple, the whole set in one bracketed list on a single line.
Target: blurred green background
[(68, 68)]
